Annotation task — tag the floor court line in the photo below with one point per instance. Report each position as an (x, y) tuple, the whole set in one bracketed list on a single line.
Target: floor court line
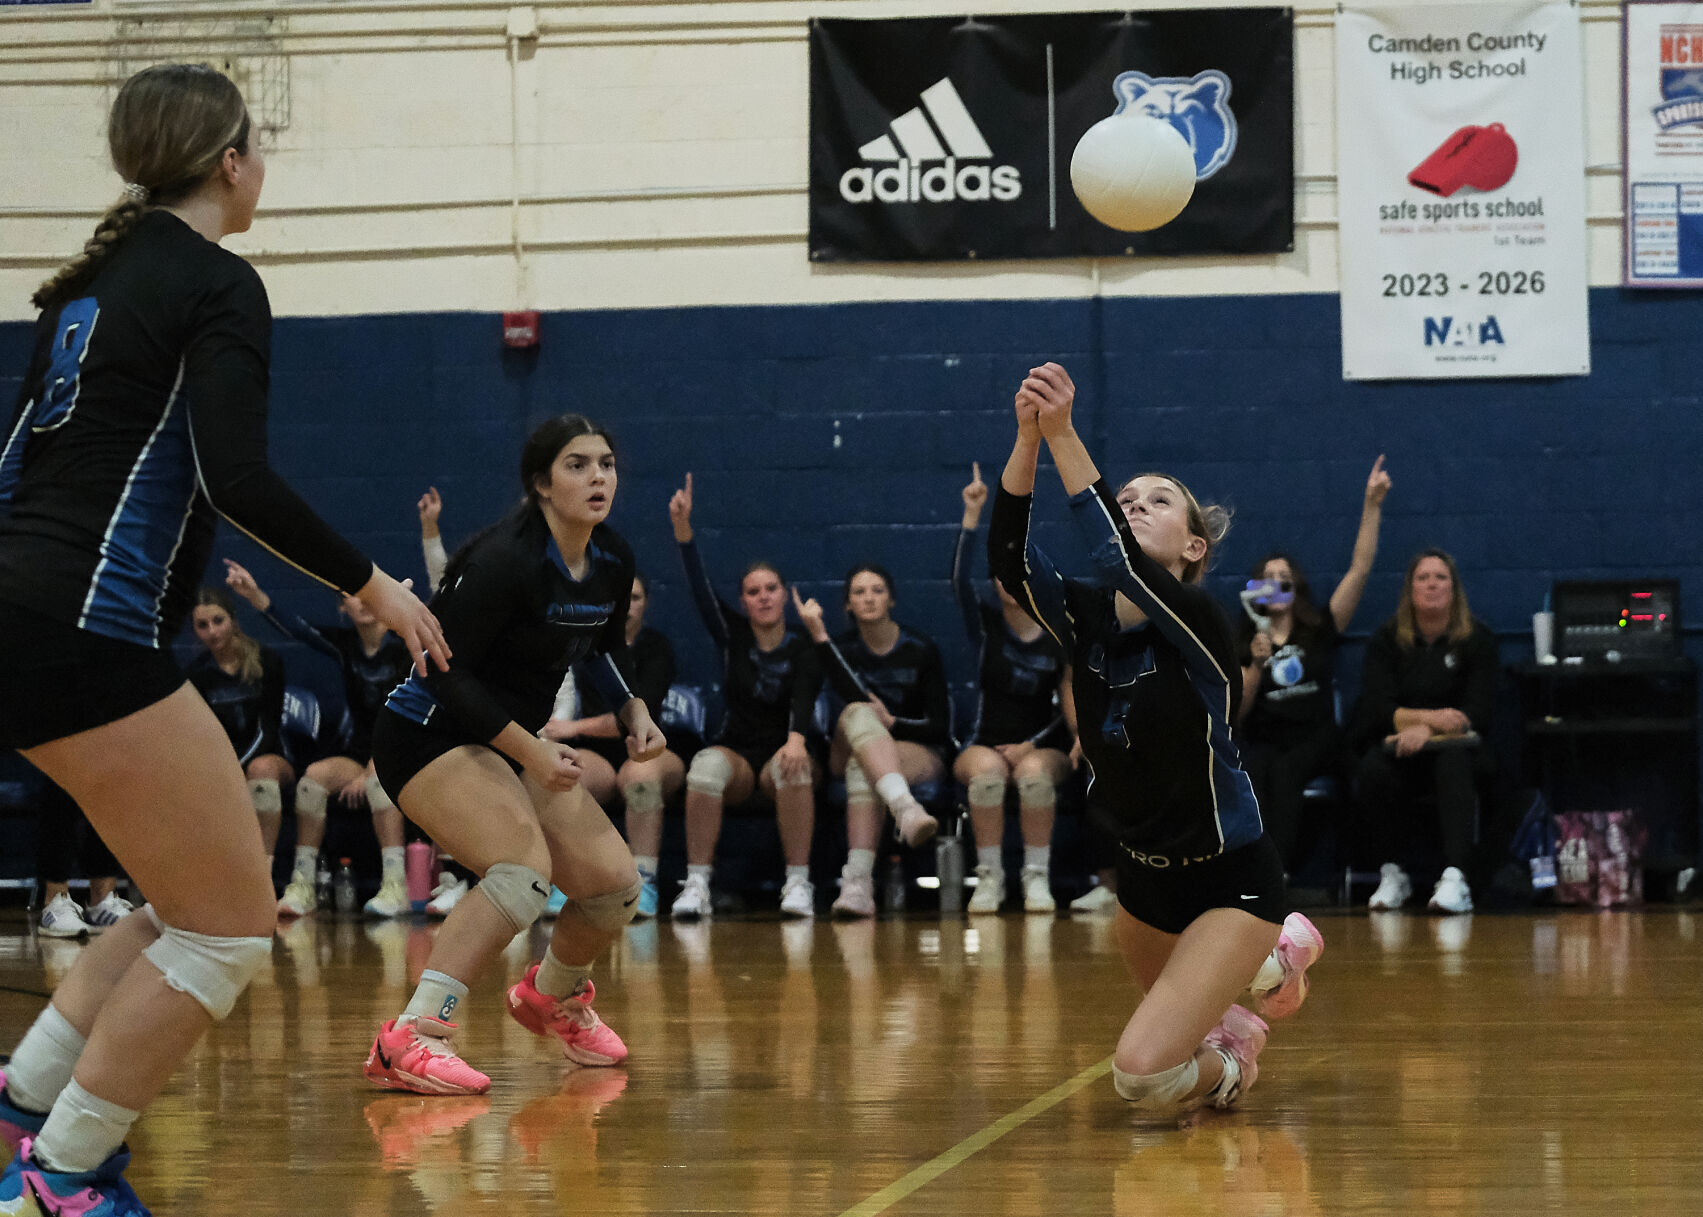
[(931, 1170)]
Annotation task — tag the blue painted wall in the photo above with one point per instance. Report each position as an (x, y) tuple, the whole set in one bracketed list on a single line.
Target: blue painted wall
[(820, 436)]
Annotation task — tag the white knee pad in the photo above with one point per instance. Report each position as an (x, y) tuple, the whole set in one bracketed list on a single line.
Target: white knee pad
[(987, 790), (1161, 1094), (780, 778), (710, 773), (612, 910), (857, 782), (310, 799), (860, 724), (645, 796), (266, 797), (1036, 790), (518, 892), (377, 800), (214, 971)]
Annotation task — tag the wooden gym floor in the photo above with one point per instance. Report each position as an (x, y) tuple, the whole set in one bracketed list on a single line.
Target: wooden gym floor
[(1508, 1065)]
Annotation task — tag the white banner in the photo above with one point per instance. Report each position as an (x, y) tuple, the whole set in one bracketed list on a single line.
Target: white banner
[(1461, 189), (1662, 91)]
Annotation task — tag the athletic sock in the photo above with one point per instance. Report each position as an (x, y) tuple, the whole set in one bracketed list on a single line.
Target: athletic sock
[(860, 862), (557, 979), (694, 871), (1038, 856), (989, 856), (394, 859), (307, 860), (82, 1131), (437, 997), (798, 872), (646, 864), (892, 788), (42, 1063)]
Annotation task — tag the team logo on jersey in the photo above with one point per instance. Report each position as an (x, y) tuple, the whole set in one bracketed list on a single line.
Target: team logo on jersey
[(1198, 106), (1681, 68), (934, 153), (1287, 666)]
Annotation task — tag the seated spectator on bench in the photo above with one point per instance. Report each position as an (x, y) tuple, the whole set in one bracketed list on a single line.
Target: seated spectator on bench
[(1288, 732), (605, 768), (894, 729), (1425, 706), (770, 679), (243, 683), (1020, 738), (373, 662), (62, 834)]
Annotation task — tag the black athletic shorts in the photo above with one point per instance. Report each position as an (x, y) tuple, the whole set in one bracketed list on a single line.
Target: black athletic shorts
[(1169, 895), (401, 749), (57, 680)]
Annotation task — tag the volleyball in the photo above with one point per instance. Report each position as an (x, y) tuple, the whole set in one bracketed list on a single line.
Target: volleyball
[(1133, 172)]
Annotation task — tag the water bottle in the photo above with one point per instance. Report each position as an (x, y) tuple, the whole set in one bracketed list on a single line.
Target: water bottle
[(322, 885), (949, 866), (343, 888), (895, 884)]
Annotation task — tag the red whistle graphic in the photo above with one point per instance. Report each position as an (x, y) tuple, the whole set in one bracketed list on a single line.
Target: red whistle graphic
[(1483, 158)]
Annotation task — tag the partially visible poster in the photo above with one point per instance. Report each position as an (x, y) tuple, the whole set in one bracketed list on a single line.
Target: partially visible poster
[(1661, 65), (1461, 180), (4, 3)]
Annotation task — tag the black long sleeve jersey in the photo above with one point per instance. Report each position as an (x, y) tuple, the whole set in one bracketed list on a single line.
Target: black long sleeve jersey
[(650, 663), (910, 680), (142, 418), (768, 694), (1155, 703), (1017, 682), (367, 679), (516, 620), (250, 711)]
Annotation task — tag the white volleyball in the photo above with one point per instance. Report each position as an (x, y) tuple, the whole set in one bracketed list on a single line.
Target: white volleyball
[(1133, 172)]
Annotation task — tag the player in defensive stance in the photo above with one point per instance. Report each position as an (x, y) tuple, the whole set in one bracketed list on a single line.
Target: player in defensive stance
[(142, 419), (1200, 885), (545, 587)]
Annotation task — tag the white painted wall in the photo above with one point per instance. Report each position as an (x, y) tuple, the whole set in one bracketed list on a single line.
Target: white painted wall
[(662, 155)]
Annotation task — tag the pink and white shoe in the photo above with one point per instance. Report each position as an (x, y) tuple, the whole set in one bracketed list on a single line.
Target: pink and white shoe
[(1298, 948), (1241, 1033), (586, 1039), (416, 1055)]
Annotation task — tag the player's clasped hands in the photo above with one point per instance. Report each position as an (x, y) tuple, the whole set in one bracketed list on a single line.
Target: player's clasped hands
[(554, 766)]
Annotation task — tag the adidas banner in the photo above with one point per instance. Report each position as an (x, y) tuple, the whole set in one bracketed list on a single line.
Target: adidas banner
[(951, 138)]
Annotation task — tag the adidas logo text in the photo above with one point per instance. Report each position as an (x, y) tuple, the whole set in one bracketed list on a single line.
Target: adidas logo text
[(921, 168)]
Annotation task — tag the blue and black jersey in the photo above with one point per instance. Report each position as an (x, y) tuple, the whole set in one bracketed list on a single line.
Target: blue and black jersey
[(1155, 703), (250, 711), (516, 620), (142, 419), (769, 694), (1016, 681), (367, 679), (910, 680)]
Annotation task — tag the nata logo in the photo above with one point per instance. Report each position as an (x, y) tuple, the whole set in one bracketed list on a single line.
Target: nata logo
[(1198, 106), (925, 158), (1682, 77), (1456, 332)]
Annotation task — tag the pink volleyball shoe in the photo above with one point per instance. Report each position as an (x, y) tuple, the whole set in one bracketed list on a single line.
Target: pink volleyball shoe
[(1298, 948), (1241, 1033), (417, 1056), (586, 1039)]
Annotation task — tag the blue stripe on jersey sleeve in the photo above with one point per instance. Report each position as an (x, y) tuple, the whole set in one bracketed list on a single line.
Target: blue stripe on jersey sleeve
[(413, 701), (12, 458), (144, 533), (1235, 806)]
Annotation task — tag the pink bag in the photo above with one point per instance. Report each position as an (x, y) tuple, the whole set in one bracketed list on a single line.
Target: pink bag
[(1599, 858)]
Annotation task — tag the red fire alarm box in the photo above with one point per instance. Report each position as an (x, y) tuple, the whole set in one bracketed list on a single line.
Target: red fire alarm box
[(520, 330)]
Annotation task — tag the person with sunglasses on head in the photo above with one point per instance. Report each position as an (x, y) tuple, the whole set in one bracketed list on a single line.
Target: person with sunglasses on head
[(1287, 647)]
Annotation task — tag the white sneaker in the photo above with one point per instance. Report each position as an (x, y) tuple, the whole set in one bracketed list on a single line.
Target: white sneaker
[(1394, 888), (1451, 894), (298, 898), (798, 898), (1096, 899), (857, 896), (446, 895), (63, 918), (916, 827), (391, 900), (1037, 891), (990, 890), (108, 913), (693, 900)]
